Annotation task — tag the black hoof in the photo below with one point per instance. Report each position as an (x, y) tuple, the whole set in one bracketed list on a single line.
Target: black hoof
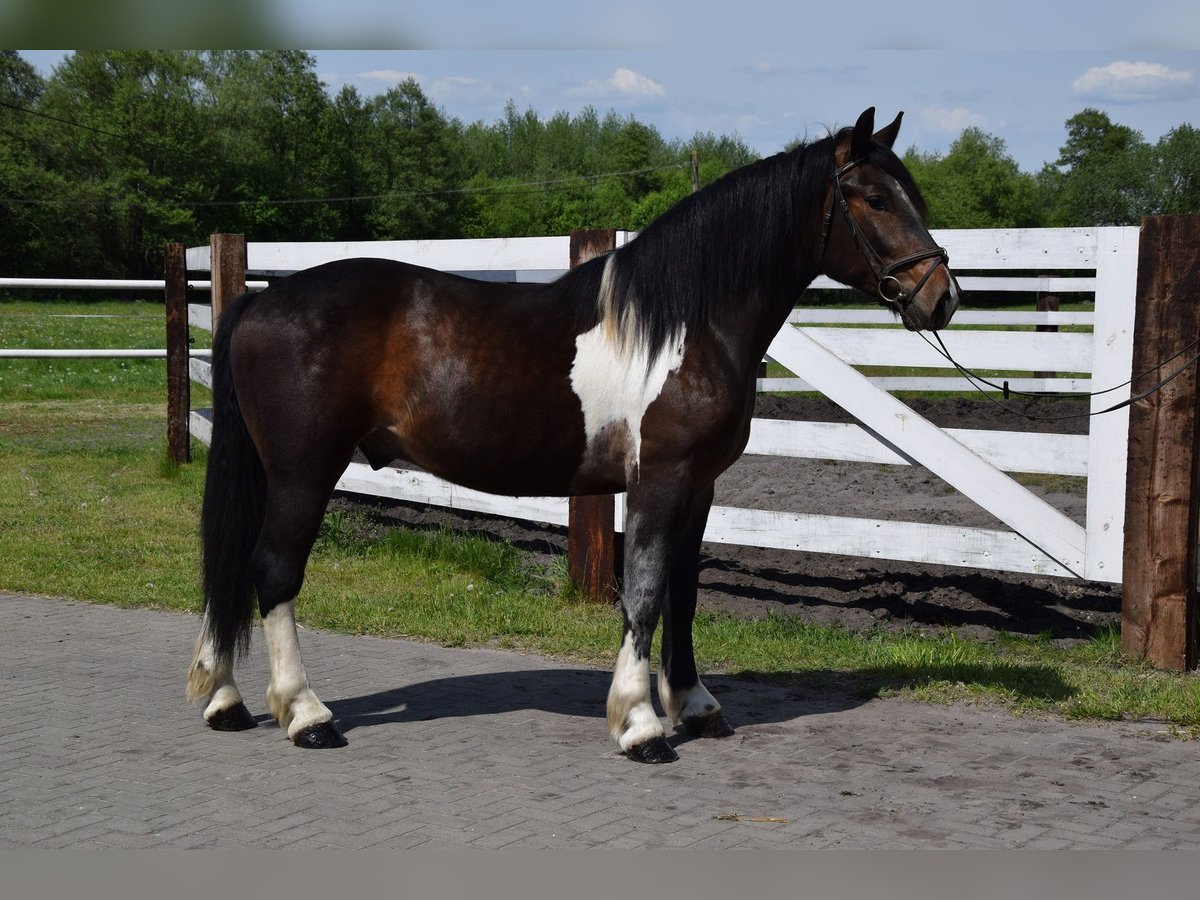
[(714, 725), (235, 718), (322, 736), (655, 750)]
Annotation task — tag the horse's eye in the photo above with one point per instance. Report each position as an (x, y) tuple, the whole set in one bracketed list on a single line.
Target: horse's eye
[(877, 203)]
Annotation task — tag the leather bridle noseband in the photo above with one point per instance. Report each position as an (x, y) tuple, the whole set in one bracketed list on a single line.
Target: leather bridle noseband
[(883, 270)]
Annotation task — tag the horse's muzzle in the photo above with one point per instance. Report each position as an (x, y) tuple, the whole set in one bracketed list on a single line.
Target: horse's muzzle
[(924, 316)]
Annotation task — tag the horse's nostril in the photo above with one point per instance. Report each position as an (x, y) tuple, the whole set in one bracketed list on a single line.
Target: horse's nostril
[(945, 309)]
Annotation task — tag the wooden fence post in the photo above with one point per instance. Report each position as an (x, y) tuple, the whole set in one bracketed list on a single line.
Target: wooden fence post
[(228, 260), (179, 382), (591, 537), (1047, 303), (1158, 600)]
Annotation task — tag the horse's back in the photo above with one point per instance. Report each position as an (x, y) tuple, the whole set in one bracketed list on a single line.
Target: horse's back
[(466, 378)]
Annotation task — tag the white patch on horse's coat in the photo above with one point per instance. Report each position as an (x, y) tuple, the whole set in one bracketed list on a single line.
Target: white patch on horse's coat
[(289, 697), (691, 703), (616, 374), (631, 717)]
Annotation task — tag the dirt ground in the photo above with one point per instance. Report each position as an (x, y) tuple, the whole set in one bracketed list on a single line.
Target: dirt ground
[(861, 594)]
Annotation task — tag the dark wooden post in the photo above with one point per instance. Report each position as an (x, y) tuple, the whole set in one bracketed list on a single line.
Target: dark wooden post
[(1158, 601), (591, 538), (228, 261), (179, 382), (1048, 303)]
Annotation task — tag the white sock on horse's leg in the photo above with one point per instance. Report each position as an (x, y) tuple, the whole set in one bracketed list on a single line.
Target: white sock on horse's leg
[(307, 720), (210, 680)]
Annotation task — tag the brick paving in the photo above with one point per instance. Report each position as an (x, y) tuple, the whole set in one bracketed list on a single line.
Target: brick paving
[(483, 748)]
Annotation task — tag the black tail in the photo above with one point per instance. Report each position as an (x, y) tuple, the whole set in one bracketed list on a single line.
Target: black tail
[(234, 493)]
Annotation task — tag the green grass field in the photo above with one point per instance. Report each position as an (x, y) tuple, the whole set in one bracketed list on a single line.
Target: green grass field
[(90, 509)]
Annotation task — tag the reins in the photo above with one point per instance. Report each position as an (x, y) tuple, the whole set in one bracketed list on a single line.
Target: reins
[(977, 381), (883, 270), (901, 299)]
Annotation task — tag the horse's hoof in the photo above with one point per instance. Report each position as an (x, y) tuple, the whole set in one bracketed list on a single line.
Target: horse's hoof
[(322, 736), (655, 750), (235, 718), (713, 725)]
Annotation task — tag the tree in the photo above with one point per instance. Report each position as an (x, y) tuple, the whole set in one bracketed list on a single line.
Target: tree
[(27, 223), (975, 185), (345, 145), (1177, 171), (411, 157), (121, 133), (1103, 173), (267, 109)]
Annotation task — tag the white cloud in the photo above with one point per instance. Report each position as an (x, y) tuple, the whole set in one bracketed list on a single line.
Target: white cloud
[(951, 121), (458, 86), (1134, 82), (624, 83), (760, 71), (389, 76)]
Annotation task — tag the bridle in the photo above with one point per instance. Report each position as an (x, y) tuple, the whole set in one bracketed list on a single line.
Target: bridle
[(883, 270)]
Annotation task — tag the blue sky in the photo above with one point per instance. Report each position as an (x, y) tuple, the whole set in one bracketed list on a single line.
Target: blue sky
[(769, 98), (773, 72)]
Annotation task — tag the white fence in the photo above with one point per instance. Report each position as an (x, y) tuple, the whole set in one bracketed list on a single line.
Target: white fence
[(821, 350), (97, 284)]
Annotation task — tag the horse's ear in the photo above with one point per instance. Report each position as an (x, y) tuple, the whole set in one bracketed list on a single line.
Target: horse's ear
[(887, 136), (862, 134)]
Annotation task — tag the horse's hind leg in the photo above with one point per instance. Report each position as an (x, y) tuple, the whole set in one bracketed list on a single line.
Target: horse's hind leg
[(684, 698), (211, 677), (293, 516)]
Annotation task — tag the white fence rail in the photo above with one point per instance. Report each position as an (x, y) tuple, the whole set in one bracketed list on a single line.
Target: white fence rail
[(821, 349), (99, 284), (108, 284), (96, 353)]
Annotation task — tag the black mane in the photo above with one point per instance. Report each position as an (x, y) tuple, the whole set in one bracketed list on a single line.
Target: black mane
[(735, 238), (708, 251)]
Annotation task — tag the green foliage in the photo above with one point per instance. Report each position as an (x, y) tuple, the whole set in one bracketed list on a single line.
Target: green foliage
[(976, 185), (1103, 175), (411, 162), (121, 151), (1177, 171)]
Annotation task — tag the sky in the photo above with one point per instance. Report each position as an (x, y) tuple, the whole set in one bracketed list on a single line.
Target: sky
[(776, 72)]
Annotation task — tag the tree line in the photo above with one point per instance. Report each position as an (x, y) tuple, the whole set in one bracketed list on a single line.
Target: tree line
[(119, 152)]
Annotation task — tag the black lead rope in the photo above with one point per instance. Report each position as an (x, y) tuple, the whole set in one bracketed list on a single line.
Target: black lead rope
[(976, 381)]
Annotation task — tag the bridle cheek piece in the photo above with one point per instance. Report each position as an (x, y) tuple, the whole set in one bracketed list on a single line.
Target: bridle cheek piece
[(884, 278)]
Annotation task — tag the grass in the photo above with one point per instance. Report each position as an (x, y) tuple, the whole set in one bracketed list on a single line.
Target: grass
[(90, 509)]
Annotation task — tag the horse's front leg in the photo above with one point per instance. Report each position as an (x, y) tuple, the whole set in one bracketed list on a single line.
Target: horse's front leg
[(684, 698), (653, 514)]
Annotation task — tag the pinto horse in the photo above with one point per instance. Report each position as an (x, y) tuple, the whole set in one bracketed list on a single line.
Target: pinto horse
[(633, 372)]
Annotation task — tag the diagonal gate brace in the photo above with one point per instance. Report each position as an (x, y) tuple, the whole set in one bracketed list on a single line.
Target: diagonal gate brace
[(1060, 538)]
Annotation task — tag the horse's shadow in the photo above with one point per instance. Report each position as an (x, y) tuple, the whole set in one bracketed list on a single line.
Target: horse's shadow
[(749, 698)]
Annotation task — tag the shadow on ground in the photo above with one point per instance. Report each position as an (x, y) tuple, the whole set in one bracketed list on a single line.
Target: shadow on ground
[(748, 697)]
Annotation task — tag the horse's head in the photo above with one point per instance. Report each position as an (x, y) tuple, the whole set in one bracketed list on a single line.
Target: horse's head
[(874, 236)]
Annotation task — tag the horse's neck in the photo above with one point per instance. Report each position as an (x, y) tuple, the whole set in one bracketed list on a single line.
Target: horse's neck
[(751, 323)]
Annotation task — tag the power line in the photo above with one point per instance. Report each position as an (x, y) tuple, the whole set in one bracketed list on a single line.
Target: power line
[(526, 187), (177, 151), (547, 185)]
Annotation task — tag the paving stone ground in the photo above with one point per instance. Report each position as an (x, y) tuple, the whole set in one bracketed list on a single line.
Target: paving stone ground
[(482, 748)]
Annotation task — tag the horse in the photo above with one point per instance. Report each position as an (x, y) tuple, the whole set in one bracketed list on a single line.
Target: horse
[(643, 364)]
